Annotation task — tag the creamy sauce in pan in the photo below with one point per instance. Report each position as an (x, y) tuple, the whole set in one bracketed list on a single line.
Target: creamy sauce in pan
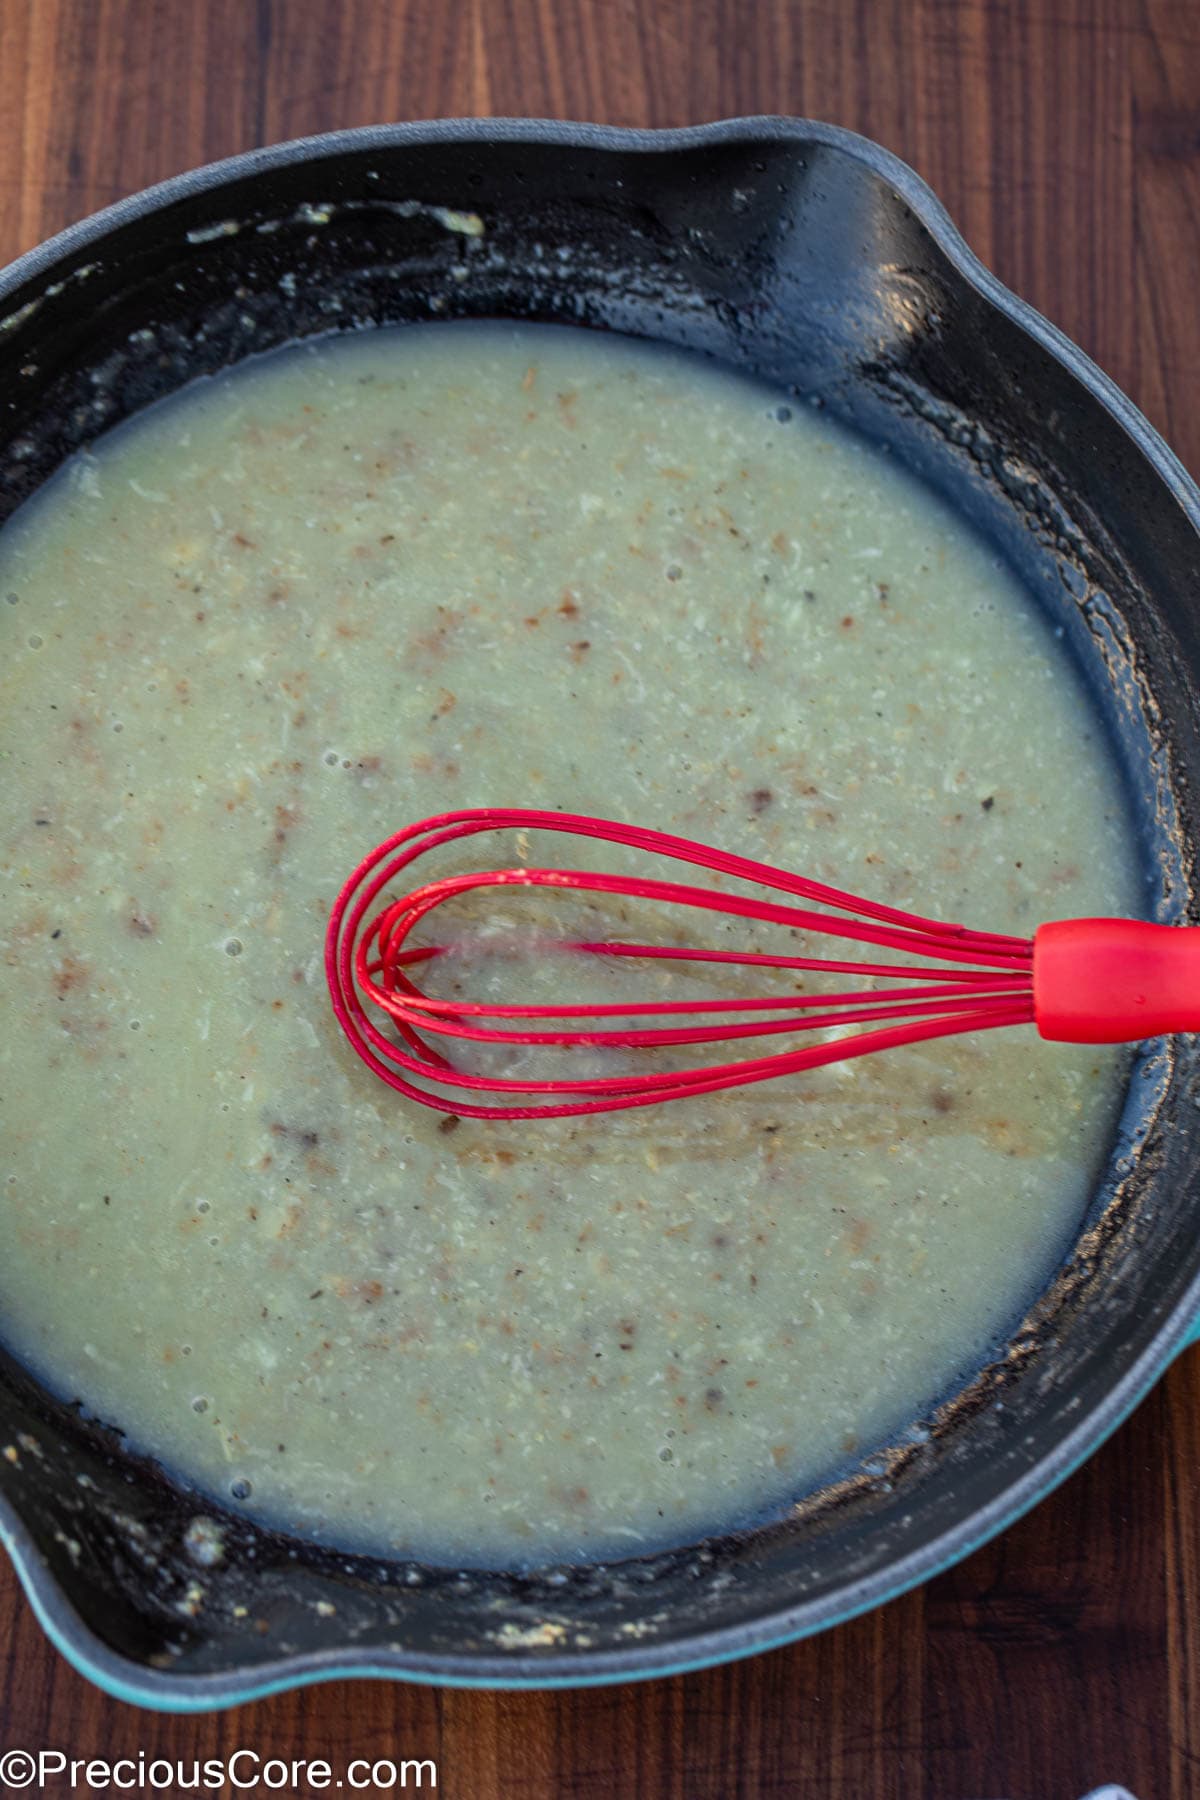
[(293, 609)]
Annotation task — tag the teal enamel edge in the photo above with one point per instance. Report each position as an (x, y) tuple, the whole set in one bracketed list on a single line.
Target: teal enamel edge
[(156, 1698)]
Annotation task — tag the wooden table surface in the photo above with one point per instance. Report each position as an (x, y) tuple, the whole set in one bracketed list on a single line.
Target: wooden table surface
[(1064, 135)]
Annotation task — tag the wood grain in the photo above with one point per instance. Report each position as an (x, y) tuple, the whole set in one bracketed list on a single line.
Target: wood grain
[(1065, 137)]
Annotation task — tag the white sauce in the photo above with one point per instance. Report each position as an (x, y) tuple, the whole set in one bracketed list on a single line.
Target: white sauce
[(298, 607)]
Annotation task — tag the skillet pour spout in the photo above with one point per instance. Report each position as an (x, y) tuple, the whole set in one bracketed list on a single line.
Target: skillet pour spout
[(813, 258)]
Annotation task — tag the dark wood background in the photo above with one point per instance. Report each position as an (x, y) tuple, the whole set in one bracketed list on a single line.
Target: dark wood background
[(1064, 135)]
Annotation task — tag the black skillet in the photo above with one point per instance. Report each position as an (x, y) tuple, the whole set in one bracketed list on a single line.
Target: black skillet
[(813, 258)]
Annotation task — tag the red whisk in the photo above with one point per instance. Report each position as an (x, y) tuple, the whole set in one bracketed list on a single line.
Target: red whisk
[(1078, 980)]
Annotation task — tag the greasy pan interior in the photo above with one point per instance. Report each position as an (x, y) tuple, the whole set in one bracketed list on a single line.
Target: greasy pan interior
[(811, 257)]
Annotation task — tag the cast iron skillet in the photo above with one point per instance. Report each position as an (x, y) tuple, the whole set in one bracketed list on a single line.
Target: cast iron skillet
[(814, 258)]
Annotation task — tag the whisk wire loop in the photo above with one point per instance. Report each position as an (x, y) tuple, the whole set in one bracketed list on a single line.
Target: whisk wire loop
[(984, 980)]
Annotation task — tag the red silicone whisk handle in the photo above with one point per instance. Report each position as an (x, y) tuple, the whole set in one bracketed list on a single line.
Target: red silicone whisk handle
[(1113, 981)]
